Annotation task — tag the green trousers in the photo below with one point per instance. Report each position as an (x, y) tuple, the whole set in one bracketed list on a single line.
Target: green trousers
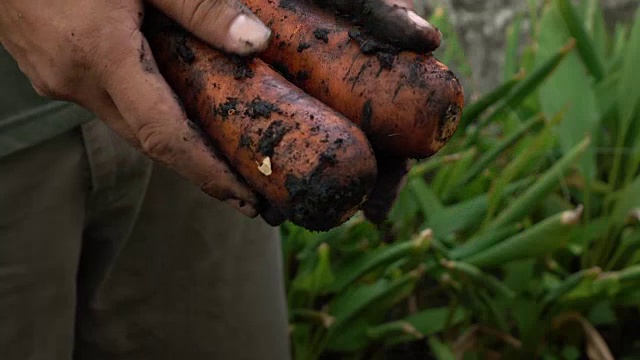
[(104, 255)]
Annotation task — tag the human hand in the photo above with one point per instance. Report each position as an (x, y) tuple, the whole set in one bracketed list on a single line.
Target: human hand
[(103, 62), (93, 53)]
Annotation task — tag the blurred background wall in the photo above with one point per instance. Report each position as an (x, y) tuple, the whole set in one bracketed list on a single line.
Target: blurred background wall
[(482, 24)]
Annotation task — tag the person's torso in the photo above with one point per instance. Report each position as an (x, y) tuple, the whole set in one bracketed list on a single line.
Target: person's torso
[(27, 118)]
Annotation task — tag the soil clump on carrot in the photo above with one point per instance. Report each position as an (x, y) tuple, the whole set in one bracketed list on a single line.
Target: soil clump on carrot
[(241, 69), (318, 194), (271, 137), (322, 34), (259, 108)]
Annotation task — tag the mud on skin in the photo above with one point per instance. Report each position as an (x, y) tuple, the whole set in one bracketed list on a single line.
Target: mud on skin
[(386, 22), (385, 53)]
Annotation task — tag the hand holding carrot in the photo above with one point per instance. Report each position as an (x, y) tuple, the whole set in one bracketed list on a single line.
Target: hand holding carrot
[(94, 54)]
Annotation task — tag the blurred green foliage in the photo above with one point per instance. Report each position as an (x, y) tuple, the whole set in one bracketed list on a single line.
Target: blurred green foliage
[(520, 239)]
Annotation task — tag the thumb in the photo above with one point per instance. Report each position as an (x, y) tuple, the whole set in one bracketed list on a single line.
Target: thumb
[(226, 24)]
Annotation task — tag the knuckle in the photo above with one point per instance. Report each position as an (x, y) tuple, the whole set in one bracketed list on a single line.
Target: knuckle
[(114, 54), (61, 88), (40, 90), (216, 189), (156, 143), (56, 88), (199, 13)]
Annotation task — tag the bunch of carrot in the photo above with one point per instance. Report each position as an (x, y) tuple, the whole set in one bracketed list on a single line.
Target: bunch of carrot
[(300, 122)]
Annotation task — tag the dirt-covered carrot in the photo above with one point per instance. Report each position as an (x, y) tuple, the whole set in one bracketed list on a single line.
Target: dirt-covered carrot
[(315, 166), (408, 104)]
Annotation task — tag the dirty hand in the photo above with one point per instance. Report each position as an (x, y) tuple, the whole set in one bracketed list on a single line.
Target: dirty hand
[(93, 53), (392, 21)]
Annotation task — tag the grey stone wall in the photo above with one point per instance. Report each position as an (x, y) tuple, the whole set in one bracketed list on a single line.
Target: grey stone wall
[(482, 26)]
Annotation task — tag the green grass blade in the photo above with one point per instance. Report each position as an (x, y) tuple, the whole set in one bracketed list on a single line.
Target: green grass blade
[(626, 250), (393, 329), (372, 260), (512, 48), (478, 107), (597, 28), (428, 200), (524, 163), (524, 204), (626, 200), (628, 89), (321, 278), (629, 274), (429, 322), (484, 241), (488, 157), (613, 283), (311, 316), (620, 42), (584, 44), (571, 92), (467, 214), (434, 163), (542, 238), (440, 350), (478, 276), (531, 83), (570, 283), (435, 320), (444, 180), (347, 307)]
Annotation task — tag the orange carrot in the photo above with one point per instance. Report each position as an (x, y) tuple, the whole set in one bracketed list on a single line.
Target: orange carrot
[(408, 104), (315, 166)]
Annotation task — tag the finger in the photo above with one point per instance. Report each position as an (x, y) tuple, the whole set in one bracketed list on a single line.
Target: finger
[(226, 24), (392, 21), (144, 101), (104, 108), (400, 26), (109, 113), (391, 179)]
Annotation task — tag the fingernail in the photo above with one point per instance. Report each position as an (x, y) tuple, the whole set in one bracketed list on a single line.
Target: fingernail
[(419, 20), (247, 35)]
